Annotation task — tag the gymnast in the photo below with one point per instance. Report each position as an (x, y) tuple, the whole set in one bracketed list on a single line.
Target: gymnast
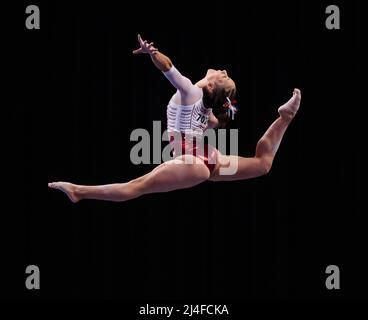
[(190, 112)]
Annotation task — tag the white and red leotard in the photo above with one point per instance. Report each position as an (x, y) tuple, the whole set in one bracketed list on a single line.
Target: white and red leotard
[(186, 124)]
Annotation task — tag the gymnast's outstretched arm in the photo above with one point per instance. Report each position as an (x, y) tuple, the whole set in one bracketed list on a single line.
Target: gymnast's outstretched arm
[(163, 63)]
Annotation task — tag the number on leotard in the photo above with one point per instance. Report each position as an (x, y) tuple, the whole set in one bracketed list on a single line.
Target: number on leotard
[(202, 118)]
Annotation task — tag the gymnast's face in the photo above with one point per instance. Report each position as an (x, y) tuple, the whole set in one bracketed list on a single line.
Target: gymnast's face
[(219, 78)]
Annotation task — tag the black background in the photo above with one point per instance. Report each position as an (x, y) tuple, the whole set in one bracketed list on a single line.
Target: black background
[(76, 93)]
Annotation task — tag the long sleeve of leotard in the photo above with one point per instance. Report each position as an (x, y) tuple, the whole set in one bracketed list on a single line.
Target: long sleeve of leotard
[(183, 84)]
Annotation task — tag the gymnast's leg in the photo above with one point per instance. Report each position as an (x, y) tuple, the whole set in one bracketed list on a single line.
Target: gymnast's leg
[(179, 173), (266, 149)]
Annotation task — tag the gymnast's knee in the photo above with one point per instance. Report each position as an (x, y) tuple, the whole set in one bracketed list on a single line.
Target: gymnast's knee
[(137, 187), (202, 173), (265, 165)]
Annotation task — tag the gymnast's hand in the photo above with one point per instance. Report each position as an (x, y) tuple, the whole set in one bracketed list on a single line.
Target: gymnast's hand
[(145, 47)]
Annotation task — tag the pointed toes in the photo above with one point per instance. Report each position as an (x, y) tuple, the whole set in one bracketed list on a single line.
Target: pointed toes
[(297, 91)]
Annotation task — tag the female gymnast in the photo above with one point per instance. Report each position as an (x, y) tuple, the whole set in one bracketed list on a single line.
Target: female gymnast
[(191, 164)]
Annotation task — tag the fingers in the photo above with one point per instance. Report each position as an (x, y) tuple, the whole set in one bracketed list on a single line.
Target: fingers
[(137, 51), (151, 47), (143, 43), (140, 40), (145, 47)]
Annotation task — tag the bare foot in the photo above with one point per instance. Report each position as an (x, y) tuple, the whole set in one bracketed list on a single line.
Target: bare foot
[(68, 188), (290, 108)]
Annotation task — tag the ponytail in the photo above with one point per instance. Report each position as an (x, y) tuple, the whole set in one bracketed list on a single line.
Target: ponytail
[(222, 103)]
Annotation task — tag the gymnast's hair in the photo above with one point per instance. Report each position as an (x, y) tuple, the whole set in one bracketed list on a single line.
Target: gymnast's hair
[(218, 101)]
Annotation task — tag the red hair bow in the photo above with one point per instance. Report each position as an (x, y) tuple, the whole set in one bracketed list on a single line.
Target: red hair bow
[(231, 108)]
